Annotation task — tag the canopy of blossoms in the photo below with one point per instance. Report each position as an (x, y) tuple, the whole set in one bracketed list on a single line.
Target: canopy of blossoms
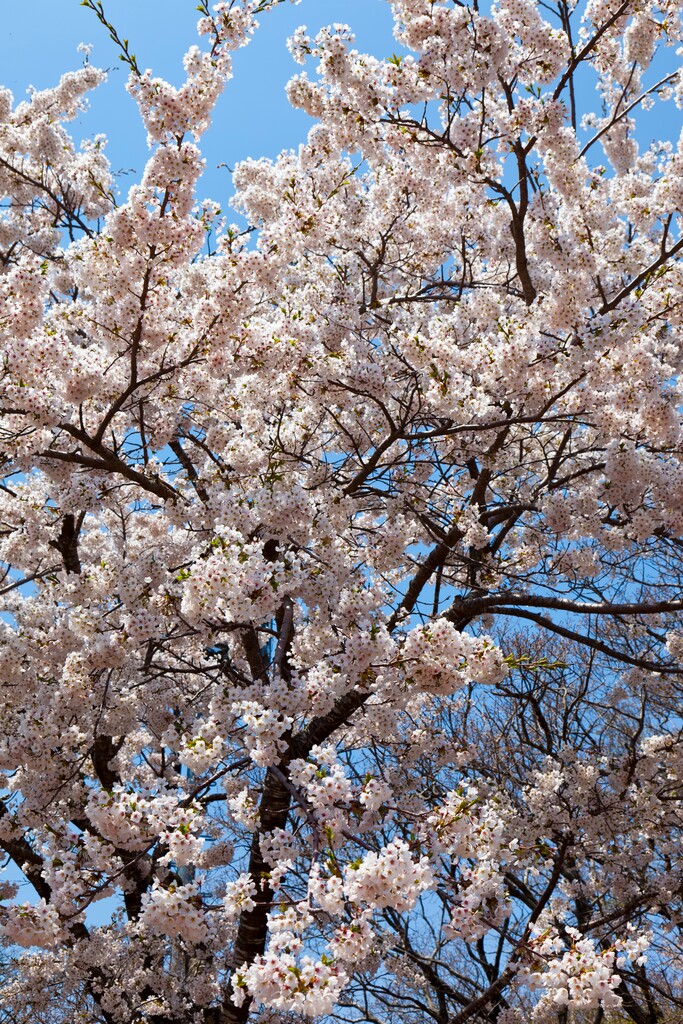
[(343, 577)]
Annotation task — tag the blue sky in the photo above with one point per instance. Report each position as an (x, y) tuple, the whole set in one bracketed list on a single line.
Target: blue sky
[(40, 39)]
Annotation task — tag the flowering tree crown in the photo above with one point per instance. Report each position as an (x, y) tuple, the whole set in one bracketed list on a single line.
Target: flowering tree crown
[(342, 642)]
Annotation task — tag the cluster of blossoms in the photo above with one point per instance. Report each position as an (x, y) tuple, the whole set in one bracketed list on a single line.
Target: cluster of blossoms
[(236, 581), (483, 903), (239, 895), (265, 728), (308, 986), (391, 878), (134, 821), (441, 659), (583, 977), (468, 827), (32, 924), (285, 979), (327, 788), (176, 911)]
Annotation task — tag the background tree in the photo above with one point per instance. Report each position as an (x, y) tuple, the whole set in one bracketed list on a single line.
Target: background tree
[(342, 643)]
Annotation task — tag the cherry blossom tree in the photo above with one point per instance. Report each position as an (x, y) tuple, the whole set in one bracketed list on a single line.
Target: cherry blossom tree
[(343, 557)]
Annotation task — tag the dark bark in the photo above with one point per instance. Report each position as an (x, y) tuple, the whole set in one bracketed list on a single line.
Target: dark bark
[(67, 542)]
